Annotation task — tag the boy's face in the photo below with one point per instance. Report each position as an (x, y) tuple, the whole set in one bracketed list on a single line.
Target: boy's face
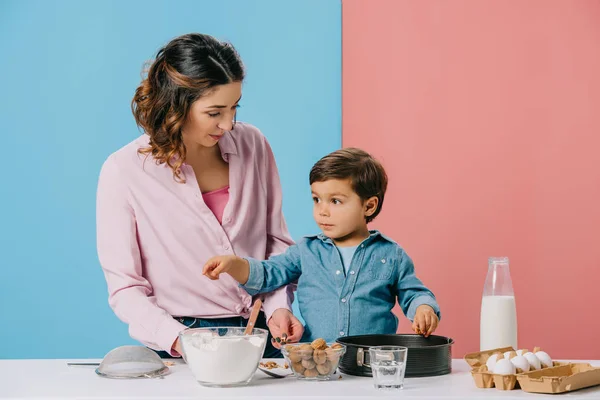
[(340, 212)]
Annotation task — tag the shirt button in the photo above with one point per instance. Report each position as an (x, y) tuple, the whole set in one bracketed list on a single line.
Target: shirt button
[(227, 220), (383, 260), (226, 247), (341, 333), (338, 272), (362, 245), (351, 272), (343, 300)]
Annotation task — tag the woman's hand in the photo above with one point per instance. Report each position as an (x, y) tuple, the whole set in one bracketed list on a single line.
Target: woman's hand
[(284, 322), (177, 347)]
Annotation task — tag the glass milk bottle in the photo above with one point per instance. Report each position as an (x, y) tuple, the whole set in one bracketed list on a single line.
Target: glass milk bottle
[(498, 320)]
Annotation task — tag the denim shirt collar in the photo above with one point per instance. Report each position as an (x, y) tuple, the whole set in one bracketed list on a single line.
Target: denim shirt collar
[(373, 234)]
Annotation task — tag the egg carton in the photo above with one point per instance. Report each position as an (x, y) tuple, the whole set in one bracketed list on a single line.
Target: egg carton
[(560, 379), (485, 379)]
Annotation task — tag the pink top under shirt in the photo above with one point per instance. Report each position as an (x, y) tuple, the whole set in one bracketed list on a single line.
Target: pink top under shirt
[(154, 235), (216, 201)]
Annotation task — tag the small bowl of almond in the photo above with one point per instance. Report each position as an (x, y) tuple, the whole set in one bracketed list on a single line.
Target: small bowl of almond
[(313, 361)]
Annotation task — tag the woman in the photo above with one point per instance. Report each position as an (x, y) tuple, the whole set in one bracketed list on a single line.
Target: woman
[(194, 185)]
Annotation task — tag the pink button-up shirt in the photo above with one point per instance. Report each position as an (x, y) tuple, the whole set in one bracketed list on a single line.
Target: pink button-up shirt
[(155, 234)]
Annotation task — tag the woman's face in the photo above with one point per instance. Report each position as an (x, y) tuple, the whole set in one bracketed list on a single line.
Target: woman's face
[(211, 115)]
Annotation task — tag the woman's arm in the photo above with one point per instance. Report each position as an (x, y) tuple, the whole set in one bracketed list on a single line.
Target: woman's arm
[(278, 236), (130, 294)]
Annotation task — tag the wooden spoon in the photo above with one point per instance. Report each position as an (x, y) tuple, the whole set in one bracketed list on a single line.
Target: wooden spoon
[(253, 316)]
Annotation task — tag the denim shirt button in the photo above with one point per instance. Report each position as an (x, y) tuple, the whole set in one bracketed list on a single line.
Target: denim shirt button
[(338, 272), (343, 300), (383, 260), (351, 272), (341, 333)]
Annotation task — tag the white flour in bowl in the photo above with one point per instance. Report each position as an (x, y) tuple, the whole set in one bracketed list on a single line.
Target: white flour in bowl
[(222, 360)]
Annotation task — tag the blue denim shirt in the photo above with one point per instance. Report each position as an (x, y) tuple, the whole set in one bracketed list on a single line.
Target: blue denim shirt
[(335, 304)]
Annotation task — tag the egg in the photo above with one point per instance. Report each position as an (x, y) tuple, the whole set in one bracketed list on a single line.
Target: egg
[(534, 362), (504, 367), (520, 363), (491, 362), (544, 358), (521, 352), (507, 354)]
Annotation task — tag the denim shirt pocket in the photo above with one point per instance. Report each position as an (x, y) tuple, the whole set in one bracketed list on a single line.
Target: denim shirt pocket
[(381, 267)]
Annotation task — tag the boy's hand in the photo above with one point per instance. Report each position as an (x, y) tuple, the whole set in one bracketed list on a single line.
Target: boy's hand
[(235, 266), (426, 321)]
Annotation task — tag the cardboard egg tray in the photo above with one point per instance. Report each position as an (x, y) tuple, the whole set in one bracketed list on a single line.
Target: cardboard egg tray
[(560, 378)]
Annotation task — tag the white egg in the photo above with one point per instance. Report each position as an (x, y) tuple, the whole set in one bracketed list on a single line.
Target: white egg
[(504, 367), (521, 351), (491, 362), (507, 354), (534, 362), (521, 363), (544, 358)]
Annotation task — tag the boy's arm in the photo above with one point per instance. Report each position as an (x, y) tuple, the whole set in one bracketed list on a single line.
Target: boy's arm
[(257, 276), (411, 291), (266, 276)]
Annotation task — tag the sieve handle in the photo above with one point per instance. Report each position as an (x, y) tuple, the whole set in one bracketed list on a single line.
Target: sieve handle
[(74, 364)]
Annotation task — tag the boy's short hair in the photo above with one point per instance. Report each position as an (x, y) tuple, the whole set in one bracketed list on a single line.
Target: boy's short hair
[(366, 173)]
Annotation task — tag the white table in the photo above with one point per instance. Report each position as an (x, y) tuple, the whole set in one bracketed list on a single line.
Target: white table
[(53, 379)]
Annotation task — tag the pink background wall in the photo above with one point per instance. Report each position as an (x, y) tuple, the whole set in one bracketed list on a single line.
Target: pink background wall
[(487, 117)]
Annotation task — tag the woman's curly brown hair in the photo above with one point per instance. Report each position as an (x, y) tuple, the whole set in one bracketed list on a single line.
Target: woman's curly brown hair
[(187, 68)]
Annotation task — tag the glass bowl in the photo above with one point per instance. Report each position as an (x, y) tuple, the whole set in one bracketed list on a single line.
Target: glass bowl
[(223, 356), (313, 364)]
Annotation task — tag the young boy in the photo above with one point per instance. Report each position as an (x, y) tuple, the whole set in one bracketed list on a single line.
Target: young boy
[(348, 277)]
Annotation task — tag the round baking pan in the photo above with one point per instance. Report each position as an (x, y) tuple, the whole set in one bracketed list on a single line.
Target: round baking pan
[(427, 356)]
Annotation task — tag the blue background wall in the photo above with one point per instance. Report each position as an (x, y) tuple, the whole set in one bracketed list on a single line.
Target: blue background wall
[(68, 70)]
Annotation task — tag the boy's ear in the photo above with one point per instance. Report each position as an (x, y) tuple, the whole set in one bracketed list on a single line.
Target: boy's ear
[(371, 205)]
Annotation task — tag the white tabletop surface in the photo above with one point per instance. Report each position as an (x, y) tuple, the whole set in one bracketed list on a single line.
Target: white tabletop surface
[(53, 379)]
